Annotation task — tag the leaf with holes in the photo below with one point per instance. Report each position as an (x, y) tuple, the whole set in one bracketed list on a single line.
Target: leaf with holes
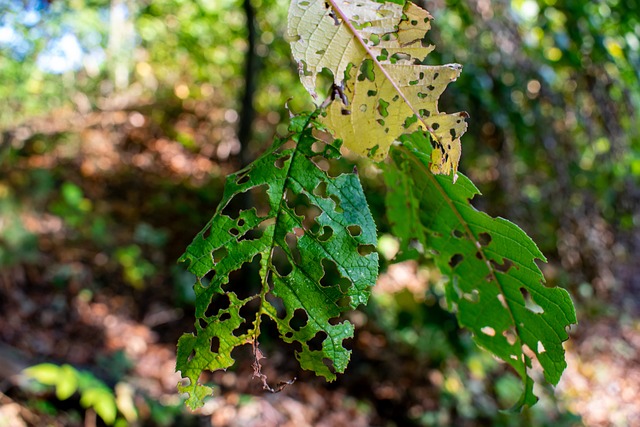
[(494, 283), (381, 90), (293, 251)]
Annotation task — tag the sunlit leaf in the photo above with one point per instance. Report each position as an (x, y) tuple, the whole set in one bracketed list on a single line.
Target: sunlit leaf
[(381, 89)]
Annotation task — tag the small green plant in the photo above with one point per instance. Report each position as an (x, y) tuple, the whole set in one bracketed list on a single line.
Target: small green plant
[(94, 394)]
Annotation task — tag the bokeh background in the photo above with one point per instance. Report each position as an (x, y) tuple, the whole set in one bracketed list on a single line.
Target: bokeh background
[(119, 121)]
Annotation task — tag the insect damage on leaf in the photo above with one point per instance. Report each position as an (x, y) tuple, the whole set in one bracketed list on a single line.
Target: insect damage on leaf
[(294, 249), (494, 284), (375, 52)]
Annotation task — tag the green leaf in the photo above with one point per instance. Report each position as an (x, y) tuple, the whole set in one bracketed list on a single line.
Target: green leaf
[(342, 235), (494, 284), (67, 382), (102, 400), (44, 373)]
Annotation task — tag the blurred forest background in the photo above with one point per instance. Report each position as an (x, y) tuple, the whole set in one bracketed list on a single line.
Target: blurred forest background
[(119, 121)]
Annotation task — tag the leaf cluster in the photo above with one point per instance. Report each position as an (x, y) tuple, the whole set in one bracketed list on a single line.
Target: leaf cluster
[(381, 93)]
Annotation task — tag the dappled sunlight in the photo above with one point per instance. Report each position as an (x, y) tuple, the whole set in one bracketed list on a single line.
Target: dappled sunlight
[(120, 120)]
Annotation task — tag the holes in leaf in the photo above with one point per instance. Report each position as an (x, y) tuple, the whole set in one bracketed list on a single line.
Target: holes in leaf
[(335, 320), (243, 179), (231, 209), (502, 301), (247, 313), (275, 301), (541, 348), (479, 255), (206, 233), (253, 196), (315, 343), (252, 234), (224, 316), (243, 329), (382, 108), (435, 126), (234, 231), (484, 239), (410, 121), (321, 189), (504, 267), (343, 302), (299, 320), (366, 70), (289, 335), (473, 296), (510, 335), (529, 303), (331, 273), (322, 163), (332, 276), (336, 200), (281, 262), (219, 302), (457, 233), (310, 214), (399, 56), (190, 358), (219, 254), (318, 147), (354, 230), (415, 244), (207, 279), (528, 351), (296, 201), (384, 54), (488, 330), (292, 243), (215, 345), (329, 364), (245, 281), (455, 260), (281, 161), (365, 250), (327, 233), (372, 152)]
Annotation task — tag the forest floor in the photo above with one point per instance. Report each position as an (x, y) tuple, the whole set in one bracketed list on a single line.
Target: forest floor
[(77, 300)]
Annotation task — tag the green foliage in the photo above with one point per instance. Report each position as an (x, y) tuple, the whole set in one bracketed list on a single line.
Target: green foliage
[(294, 252), (67, 381), (494, 284)]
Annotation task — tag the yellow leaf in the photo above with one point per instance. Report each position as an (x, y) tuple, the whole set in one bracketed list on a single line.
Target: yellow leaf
[(381, 89)]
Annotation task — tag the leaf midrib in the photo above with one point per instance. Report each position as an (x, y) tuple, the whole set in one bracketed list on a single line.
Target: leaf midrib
[(365, 46)]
